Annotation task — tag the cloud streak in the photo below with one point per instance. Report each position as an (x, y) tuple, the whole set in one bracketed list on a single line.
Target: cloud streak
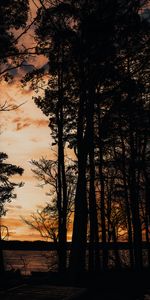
[(18, 230), (22, 123)]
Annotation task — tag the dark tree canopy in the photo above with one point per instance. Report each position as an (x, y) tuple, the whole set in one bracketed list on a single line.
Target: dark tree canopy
[(13, 15), (7, 186)]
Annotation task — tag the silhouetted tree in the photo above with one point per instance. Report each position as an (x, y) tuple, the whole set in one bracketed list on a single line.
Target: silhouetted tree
[(46, 220), (7, 187), (13, 16), (96, 100)]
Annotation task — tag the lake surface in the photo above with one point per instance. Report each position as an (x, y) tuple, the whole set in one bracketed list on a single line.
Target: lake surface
[(27, 261), (42, 261)]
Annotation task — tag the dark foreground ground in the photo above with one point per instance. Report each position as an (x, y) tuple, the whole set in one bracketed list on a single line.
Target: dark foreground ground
[(110, 285)]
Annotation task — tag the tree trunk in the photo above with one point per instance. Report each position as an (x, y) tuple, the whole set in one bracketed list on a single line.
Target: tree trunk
[(147, 210), (2, 269), (94, 260), (127, 204), (137, 235), (79, 236), (102, 194), (62, 186), (116, 251)]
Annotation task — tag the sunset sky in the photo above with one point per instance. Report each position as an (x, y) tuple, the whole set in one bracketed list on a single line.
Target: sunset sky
[(24, 136)]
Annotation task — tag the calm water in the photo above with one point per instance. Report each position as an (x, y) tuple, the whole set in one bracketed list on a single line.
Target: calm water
[(28, 261)]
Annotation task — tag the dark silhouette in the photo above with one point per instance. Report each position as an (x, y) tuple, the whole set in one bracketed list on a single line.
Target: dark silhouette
[(13, 15), (46, 220), (6, 192), (97, 102)]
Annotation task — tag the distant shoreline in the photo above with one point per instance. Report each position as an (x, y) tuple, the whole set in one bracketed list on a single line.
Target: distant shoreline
[(45, 246), (28, 245)]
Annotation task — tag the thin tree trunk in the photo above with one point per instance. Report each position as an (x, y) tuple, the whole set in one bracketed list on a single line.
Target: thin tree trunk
[(116, 251), (94, 260), (134, 197), (102, 194), (127, 205), (137, 235), (147, 210), (62, 186), (2, 269)]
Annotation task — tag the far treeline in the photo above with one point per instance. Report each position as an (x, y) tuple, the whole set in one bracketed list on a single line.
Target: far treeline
[(96, 93)]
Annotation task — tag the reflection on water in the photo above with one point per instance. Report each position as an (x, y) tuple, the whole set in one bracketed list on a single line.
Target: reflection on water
[(42, 261), (28, 261)]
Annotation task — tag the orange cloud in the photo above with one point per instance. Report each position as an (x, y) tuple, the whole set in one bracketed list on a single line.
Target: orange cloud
[(11, 206), (22, 123), (35, 140), (41, 122), (25, 237), (12, 222), (18, 230), (21, 126)]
